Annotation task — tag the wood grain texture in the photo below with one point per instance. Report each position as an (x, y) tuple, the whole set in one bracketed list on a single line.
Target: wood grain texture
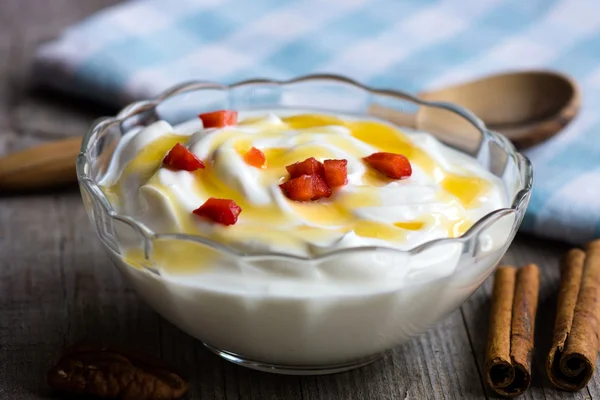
[(58, 287)]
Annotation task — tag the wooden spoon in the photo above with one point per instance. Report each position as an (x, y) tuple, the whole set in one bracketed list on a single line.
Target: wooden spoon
[(527, 107), (40, 167)]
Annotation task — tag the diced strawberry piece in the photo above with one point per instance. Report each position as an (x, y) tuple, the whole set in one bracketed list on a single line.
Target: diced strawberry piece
[(298, 189), (219, 119), (255, 157), (306, 187), (180, 158), (336, 172), (320, 188), (222, 211), (392, 165), (310, 166)]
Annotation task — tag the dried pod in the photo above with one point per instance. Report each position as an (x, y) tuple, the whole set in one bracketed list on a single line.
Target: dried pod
[(111, 373)]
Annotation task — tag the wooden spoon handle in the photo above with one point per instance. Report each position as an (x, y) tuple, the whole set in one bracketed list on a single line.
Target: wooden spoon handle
[(45, 166)]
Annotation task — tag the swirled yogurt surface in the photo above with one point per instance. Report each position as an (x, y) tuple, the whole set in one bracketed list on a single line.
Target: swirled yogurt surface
[(447, 192)]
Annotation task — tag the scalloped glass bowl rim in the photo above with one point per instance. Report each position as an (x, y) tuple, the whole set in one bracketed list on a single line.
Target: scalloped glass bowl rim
[(101, 124)]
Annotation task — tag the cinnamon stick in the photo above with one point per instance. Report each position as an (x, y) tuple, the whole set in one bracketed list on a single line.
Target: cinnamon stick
[(512, 322), (572, 358)]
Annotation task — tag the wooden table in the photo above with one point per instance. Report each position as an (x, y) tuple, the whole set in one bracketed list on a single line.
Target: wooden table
[(58, 287)]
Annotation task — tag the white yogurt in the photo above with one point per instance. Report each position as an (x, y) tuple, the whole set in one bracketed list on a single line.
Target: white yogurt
[(445, 195), (305, 313)]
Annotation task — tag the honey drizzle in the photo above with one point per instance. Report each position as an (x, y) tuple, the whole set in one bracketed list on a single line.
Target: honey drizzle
[(335, 213)]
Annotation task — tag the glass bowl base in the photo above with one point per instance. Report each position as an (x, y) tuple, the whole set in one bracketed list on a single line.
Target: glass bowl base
[(293, 370)]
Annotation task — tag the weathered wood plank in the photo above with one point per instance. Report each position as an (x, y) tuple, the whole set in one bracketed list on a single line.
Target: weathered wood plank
[(33, 307), (5, 56), (57, 287)]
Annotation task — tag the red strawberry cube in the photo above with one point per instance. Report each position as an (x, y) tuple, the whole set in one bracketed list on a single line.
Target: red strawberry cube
[(320, 188), (305, 188), (180, 158), (310, 166), (255, 157), (222, 211), (219, 119), (336, 172), (395, 166)]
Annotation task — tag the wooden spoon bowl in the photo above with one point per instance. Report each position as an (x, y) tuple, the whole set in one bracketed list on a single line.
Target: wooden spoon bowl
[(527, 107)]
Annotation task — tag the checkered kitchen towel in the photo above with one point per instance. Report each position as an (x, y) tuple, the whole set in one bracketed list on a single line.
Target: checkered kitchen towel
[(137, 49)]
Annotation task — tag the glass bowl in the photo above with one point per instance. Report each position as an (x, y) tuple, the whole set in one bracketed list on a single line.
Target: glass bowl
[(289, 314)]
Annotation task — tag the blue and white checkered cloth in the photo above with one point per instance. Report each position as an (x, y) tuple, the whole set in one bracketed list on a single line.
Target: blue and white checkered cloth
[(137, 49)]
